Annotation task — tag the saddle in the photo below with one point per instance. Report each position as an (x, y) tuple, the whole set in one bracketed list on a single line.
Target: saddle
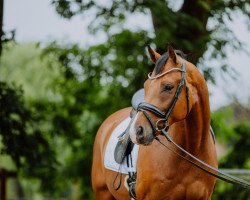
[(124, 145)]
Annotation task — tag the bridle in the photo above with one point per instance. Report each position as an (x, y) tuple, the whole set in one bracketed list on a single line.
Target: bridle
[(164, 116), (144, 106)]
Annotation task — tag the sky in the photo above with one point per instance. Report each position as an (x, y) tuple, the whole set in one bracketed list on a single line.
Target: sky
[(36, 20)]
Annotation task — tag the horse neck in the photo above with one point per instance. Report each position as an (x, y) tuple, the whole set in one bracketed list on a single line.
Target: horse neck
[(197, 124)]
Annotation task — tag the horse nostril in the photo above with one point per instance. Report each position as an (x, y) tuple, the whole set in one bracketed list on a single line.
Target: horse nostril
[(139, 130)]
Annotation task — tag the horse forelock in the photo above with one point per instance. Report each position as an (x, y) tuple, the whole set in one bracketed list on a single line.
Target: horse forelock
[(160, 63)]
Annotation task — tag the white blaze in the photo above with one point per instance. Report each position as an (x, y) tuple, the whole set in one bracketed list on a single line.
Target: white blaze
[(132, 130)]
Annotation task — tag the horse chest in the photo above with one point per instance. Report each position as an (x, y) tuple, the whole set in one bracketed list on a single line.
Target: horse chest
[(167, 178), (171, 190)]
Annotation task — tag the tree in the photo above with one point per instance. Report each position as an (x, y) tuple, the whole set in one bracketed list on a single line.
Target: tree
[(20, 137), (237, 157), (4, 36), (93, 82), (186, 28), (102, 73), (22, 133)]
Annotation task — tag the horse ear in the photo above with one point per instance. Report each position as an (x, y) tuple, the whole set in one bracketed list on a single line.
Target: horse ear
[(153, 54), (172, 54)]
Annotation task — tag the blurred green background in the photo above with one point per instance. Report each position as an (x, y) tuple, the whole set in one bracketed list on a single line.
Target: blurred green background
[(55, 94)]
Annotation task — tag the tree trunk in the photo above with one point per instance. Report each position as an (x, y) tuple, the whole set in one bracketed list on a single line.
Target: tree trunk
[(1, 25), (172, 27)]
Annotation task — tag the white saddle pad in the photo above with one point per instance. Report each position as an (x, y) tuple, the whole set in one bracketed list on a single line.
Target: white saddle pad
[(109, 160)]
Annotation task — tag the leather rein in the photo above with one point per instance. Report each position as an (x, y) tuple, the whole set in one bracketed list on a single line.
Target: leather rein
[(144, 107)]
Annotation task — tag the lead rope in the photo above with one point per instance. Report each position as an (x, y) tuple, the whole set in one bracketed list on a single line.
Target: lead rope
[(221, 175)]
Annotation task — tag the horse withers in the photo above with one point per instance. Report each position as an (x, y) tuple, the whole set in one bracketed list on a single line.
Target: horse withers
[(176, 100)]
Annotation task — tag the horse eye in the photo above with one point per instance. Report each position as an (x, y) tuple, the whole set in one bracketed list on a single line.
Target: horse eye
[(168, 87)]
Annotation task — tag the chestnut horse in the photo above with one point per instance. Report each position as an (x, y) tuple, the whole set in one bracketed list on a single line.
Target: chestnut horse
[(161, 174)]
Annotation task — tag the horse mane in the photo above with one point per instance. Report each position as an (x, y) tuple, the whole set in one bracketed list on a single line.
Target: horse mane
[(163, 59)]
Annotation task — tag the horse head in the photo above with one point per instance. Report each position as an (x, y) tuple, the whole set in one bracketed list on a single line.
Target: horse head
[(168, 97)]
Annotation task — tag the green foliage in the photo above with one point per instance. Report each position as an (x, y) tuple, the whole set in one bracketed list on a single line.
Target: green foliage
[(238, 157), (26, 144), (95, 84), (194, 27), (231, 131), (222, 123), (27, 131), (68, 91), (22, 65), (103, 72)]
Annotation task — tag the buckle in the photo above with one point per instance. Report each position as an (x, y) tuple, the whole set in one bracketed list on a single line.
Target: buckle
[(157, 128)]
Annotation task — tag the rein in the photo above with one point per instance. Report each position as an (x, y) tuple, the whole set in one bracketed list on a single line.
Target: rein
[(144, 106), (221, 175)]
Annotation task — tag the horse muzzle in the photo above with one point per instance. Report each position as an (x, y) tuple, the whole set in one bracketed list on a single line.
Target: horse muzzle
[(141, 135)]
